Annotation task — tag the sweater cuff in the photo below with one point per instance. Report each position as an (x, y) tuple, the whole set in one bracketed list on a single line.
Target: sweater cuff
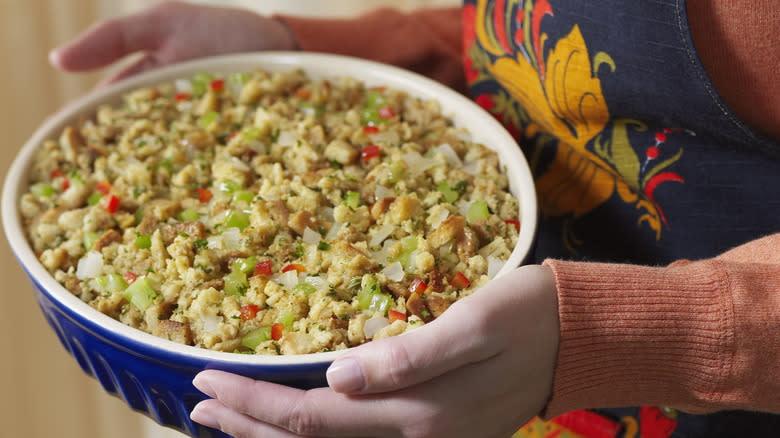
[(636, 335)]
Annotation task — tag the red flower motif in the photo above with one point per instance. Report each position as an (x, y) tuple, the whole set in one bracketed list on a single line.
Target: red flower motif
[(657, 421)]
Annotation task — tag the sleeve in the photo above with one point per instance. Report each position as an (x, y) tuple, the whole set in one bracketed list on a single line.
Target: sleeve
[(700, 336), (427, 41)]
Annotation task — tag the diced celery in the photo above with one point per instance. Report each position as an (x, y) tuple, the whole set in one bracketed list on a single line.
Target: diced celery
[(370, 113), (236, 283), (42, 190), (366, 293), (352, 199), (188, 215), (316, 110), (477, 211), (408, 245), (94, 198), (143, 241), (287, 318), (200, 83), (380, 302), (251, 133), (237, 219), (243, 196), (228, 186), (256, 337), (111, 283), (76, 179), (139, 215), (305, 288), (207, 119), (375, 99), (141, 294), (396, 172), (450, 195), (246, 265), (90, 237), (239, 78)]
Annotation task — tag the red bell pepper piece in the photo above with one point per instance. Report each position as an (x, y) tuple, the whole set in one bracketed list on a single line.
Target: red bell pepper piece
[(103, 187), (514, 222), (386, 112), (277, 330), (263, 268), (129, 277), (417, 286), (370, 152), (459, 281), (217, 85), (248, 312), (297, 266), (204, 195), (111, 203), (394, 315)]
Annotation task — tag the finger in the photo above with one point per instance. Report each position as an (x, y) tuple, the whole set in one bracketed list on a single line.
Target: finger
[(147, 62), (447, 343), (317, 412), (212, 413), (110, 40)]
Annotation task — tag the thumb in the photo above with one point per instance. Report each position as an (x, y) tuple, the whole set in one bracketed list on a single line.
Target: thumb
[(447, 343), (110, 40)]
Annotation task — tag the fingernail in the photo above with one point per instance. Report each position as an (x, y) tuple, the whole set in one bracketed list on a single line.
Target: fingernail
[(203, 385), (54, 57), (202, 415), (345, 375)]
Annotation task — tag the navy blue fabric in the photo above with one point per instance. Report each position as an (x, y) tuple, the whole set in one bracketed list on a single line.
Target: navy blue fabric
[(726, 191)]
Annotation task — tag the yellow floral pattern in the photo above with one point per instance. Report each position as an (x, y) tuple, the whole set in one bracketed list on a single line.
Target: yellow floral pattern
[(559, 95)]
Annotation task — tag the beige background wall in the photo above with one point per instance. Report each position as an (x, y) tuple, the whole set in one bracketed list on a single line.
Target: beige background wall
[(43, 392)]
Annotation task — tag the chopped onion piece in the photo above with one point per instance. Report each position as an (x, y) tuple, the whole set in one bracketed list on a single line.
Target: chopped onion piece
[(326, 213), (319, 283), (210, 323), (381, 234), (239, 165), (90, 266), (383, 192), (231, 238), (494, 265), (373, 325), (289, 279), (394, 271), (440, 216), (463, 135), (381, 255), (334, 231), (183, 86), (471, 167), (258, 147), (417, 163), (215, 242), (464, 206), (311, 237), (184, 106), (287, 138), (452, 157)]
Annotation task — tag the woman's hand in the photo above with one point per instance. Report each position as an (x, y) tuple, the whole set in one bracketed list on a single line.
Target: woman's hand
[(483, 368), (170, 32)]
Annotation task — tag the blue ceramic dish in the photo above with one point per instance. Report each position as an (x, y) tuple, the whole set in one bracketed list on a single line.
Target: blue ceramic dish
[(154, 375)]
